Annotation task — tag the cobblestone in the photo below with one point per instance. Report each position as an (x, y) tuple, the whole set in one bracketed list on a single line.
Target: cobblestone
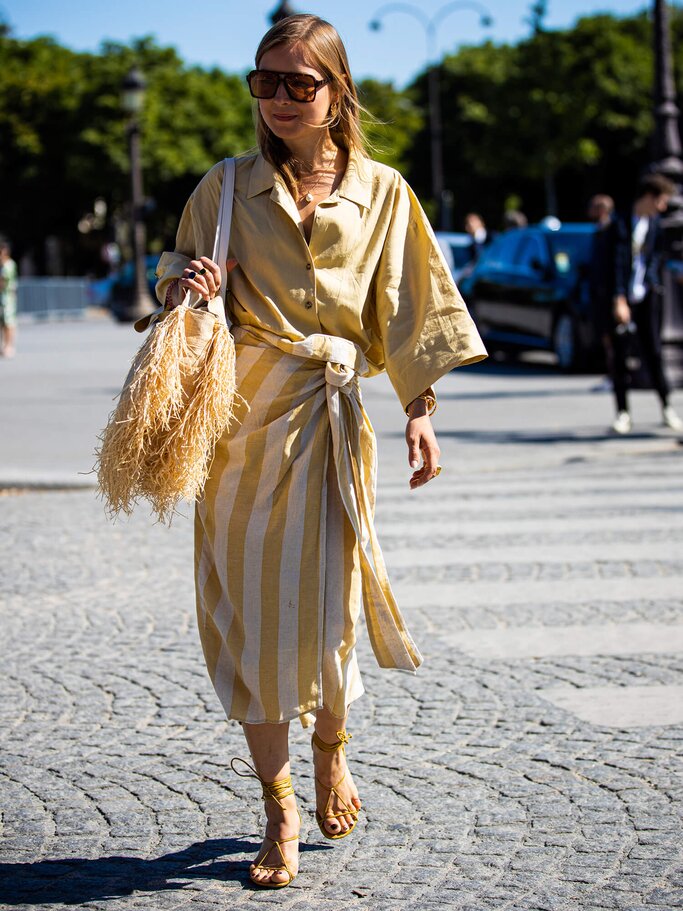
[(480, 793)]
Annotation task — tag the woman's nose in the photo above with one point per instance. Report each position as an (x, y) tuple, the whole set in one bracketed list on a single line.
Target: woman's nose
[(281, 93)]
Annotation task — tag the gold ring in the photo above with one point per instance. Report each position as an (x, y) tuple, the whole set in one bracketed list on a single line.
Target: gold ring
[(438, 471)]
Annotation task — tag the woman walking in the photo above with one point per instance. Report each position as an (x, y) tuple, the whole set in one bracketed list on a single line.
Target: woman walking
[(334, 273)]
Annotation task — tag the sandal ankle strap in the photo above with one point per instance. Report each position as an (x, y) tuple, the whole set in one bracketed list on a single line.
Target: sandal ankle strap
[(271, 790), (343, 737)]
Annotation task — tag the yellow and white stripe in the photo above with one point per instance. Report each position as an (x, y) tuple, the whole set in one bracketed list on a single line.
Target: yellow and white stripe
[(281, 533)]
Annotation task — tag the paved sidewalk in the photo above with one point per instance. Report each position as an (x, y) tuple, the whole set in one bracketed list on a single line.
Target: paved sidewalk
[(533, 763)]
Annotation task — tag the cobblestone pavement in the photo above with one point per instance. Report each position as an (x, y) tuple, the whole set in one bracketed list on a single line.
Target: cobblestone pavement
[(533, 763)]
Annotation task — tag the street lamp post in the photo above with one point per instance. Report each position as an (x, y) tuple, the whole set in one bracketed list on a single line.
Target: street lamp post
[(431, 27), (140, 302), (283, 11), (667, 137), (669, 161)]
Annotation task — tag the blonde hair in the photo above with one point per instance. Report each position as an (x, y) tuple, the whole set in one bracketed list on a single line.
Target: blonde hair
[(325, 52)]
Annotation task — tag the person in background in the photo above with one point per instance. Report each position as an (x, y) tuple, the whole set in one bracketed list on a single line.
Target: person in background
[(8, 300), (514, 219), (475, 227), (600, 211), (636, 305)]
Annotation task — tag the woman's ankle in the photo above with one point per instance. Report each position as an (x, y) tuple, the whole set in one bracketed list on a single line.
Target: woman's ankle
[(328, 726), (284, 818)]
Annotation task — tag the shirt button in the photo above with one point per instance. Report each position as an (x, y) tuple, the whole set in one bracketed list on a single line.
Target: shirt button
[(308, 305), (309, 266)]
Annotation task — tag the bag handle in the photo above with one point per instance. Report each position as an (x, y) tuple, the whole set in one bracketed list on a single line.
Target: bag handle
[(220, 251), (224, 223)]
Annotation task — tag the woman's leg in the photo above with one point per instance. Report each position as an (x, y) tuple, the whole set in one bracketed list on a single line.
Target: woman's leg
[(269, 748), (331, 772)]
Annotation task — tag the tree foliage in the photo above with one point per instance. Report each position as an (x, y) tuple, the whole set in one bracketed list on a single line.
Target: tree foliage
[(63, 134), (392, 122), (550, 120)]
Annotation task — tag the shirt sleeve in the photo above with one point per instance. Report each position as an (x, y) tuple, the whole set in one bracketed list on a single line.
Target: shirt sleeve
[(424, 324)]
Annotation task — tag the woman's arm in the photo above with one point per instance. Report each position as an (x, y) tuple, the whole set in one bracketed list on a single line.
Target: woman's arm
[(421, 441)]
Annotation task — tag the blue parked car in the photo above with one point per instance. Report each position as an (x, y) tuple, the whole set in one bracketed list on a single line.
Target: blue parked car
[(124, 278), (109, 291), (530, 289)]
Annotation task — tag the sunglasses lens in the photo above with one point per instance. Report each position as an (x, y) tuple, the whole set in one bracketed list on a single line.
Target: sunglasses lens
[(263, 84), (301, 87)]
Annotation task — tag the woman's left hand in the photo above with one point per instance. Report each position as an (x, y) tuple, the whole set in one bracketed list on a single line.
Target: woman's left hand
[(421, 441)]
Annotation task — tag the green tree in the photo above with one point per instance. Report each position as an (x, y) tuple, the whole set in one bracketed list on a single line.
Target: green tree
[(63, 139), (552, 119), (393, 122)]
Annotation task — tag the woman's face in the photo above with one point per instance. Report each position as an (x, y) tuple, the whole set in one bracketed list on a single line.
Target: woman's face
[(296, 123)]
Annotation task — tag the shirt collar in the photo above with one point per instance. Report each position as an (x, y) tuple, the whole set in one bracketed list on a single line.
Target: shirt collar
[(262, 177), (356, 184)]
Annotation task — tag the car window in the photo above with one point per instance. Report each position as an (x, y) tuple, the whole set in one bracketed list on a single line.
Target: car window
[(501, 252), (570, 251)]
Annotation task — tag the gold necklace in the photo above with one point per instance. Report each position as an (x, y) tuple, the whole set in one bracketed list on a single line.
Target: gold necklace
[(324, 173)]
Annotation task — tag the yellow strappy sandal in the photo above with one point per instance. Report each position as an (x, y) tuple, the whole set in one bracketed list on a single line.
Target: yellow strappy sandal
[(343, 739), (277, 791)]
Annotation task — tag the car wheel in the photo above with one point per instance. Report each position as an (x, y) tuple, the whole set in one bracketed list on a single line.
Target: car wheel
[(565, 343)]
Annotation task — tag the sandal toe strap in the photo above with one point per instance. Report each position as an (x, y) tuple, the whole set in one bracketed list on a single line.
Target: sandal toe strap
[(284, 866), (349, 809)]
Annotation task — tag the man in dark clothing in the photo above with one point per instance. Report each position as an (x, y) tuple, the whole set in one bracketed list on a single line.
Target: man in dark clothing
[(636, 305)]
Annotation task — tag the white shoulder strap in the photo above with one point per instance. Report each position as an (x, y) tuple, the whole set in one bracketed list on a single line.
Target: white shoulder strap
[(220, 246)]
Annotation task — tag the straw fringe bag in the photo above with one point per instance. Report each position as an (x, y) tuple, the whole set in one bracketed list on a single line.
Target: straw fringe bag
[(177, 399)]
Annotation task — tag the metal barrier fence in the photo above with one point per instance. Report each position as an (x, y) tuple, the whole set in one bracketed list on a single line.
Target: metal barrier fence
[(48, 298)]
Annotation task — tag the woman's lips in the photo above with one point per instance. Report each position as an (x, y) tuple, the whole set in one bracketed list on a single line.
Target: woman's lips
[(285, 117)]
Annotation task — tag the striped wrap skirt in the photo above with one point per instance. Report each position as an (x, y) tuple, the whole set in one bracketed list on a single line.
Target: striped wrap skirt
[(285, 547)]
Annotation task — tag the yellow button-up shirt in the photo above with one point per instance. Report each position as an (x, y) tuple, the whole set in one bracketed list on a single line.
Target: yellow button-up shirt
[(372, 272)]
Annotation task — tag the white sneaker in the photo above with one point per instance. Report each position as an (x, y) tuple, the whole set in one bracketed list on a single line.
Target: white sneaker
[(622, 423), (671, 419)]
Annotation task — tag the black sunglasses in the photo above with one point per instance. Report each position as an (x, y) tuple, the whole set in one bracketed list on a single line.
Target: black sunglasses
[(299, 86)]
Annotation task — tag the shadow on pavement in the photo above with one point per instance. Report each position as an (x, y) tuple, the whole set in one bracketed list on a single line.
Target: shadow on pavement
[(535, 436), (513, 394), (512, 367), (75, 881)]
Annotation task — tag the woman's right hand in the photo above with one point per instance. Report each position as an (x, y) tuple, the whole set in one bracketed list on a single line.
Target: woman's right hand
[(203, 276)]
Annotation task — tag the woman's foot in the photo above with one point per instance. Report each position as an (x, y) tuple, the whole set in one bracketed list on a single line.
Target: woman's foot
[(335, 793), (280, 847)]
